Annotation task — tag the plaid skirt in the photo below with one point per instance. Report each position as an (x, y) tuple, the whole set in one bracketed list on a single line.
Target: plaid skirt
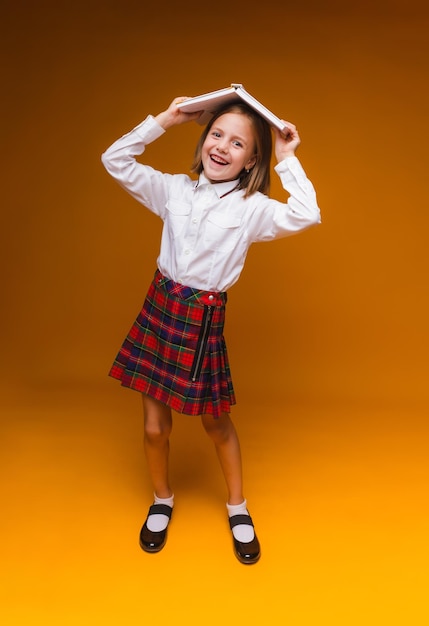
[(175, 351)]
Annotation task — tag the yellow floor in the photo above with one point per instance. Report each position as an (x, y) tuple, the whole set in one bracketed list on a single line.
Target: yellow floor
[(338, 495)]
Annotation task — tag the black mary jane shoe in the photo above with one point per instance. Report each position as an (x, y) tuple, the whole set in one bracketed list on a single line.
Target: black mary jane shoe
[(151, 541), (246, 552)]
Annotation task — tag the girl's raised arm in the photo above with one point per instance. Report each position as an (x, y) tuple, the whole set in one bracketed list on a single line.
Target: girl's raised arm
[(173, 115), (286, 143)]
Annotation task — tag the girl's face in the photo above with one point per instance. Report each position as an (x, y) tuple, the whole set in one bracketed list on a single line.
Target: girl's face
[(228, 148)]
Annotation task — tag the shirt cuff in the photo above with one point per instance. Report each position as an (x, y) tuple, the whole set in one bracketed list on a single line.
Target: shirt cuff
[(289, 163), (149, 129), (291, 169)]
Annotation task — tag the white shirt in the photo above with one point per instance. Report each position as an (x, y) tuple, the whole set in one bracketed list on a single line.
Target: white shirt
[(206, 237)]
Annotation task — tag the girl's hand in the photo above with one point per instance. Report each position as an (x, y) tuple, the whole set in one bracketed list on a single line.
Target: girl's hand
[(286, 142), (173, 115)]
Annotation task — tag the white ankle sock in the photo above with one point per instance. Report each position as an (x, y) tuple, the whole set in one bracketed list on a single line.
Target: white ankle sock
[(158, 522), (242, 532)]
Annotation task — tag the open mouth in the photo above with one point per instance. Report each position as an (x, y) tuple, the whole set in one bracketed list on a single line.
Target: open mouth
[(218, 160)]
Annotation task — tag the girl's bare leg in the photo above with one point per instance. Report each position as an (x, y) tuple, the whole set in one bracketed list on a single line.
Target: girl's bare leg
[(157, 430), (224, 436)]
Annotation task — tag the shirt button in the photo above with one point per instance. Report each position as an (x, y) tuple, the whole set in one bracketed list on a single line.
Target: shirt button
[(211, 297), (194, 221), (187, 252)]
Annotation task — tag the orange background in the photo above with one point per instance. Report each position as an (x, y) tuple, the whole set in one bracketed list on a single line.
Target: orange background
[(336, 369)]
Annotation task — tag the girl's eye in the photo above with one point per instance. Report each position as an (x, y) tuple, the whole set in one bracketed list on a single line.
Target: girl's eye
[(238, 144), (216, 133)]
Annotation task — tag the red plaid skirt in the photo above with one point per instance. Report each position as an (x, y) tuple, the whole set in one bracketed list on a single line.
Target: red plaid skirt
[(175, 351)]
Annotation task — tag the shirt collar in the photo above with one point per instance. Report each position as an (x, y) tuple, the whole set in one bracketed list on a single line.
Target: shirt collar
[(220, 188)]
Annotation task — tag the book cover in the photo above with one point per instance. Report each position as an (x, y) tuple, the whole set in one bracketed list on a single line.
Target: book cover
[(212, 101)]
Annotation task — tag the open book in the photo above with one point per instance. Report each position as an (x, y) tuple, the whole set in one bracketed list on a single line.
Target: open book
[(211, 102)]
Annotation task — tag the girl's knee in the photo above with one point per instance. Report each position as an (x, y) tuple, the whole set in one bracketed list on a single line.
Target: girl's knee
[(156, 432), (157, 421), (217, 429)]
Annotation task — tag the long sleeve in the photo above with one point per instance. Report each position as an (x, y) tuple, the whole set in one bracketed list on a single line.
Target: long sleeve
[(145, 184), (271, 219)]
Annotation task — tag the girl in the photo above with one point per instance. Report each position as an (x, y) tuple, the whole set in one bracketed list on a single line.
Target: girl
[(175, 354)]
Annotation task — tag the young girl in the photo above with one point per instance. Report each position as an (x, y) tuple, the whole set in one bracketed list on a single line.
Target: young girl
[(175, 354)]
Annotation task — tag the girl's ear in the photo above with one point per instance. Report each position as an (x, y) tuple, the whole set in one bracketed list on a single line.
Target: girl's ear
[(250, 163)]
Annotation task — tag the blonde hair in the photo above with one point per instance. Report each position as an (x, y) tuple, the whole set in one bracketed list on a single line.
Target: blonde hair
[(257, 178)]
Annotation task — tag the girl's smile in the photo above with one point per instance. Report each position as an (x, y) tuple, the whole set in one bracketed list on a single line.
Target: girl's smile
[(228, 148)]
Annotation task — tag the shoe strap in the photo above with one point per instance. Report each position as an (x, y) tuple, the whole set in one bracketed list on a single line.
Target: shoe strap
[(235, 520), (160, 509)]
